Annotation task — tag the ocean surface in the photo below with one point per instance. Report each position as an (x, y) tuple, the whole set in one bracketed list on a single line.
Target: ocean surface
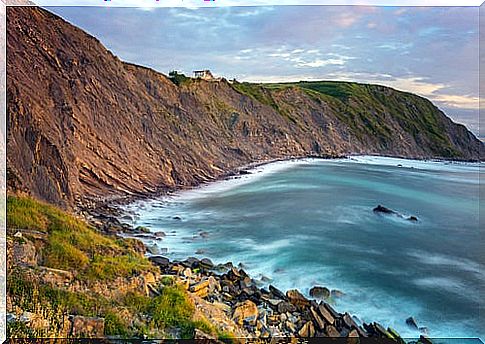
[(310, 222)]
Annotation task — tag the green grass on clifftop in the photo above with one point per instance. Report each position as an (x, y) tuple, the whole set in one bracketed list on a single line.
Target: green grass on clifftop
[(369, 111), (72, 244)]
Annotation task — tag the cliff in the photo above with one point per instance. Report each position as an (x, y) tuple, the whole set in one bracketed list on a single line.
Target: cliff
[(84, 126)]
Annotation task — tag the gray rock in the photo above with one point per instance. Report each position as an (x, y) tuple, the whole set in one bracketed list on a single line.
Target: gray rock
[(277, 293), (411, 322), (284, 307), (160, 261), (321, 293), (336, 293), (142, 229), (206, 263)]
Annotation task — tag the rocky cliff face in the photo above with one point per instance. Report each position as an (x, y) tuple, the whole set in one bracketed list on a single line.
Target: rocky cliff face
[(85, 126)]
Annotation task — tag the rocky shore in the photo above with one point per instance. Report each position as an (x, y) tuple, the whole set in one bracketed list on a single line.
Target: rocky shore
[(254, 308)]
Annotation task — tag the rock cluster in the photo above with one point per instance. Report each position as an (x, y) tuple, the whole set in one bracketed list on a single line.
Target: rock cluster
[(266, 312)]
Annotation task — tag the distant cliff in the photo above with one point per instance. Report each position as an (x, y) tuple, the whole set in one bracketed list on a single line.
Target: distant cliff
[(85, 126)]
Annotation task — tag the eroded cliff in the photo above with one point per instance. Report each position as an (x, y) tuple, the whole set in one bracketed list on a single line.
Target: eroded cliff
[(84, 126)]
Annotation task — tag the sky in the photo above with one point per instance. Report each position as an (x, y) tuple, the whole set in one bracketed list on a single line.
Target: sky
[(430, 51)]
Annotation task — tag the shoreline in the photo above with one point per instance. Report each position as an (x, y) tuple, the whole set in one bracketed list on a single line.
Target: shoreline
[(112, 204), (227, 177)]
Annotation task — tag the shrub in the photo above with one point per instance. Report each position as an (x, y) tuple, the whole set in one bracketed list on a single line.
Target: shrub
[(114, 326)]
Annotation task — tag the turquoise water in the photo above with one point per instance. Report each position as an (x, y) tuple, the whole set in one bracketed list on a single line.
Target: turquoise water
[(310, 222)]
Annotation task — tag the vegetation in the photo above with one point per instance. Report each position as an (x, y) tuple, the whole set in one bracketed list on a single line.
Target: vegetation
[(260, 93), (73, 245), (178, 79), (368, 110)]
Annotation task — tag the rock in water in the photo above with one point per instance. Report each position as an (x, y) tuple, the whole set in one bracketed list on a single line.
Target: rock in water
[(321, 293), (207, 263), (336, 293), (384, 210), (411, 322), (142, 229)]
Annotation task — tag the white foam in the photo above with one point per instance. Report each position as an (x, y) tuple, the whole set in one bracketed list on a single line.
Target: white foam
[(453, 262), (236, 181), (416, 164)]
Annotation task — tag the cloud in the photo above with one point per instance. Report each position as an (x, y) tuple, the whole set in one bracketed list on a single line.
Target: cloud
[(320, 63), (429, 51)]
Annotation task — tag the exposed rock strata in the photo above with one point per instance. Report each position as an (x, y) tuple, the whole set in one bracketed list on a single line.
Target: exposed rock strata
[(84, 126)]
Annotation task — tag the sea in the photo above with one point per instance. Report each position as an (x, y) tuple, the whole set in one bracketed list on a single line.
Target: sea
[(310, 222)]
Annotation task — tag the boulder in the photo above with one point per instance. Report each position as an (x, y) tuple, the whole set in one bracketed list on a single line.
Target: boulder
[(411, 322), (233, 274), (198, 286), (332, 331), (321, 293), (307, 330), (278, 294), (348, 321), (318, 320), (424, 340), (382, 331), (296, 298), (86, 327), (222, 306), (142, 229), (246, 312), (327, 316), (332, 311), (163, 262), (383, 210), (423, 330), (284, 307), (353, 334), (206, 263), (191, 262), (214, 285), (396, 335), (290, 326)]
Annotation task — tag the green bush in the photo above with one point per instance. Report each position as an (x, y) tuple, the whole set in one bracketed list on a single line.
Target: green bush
[(114, 326), (178, 79)]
